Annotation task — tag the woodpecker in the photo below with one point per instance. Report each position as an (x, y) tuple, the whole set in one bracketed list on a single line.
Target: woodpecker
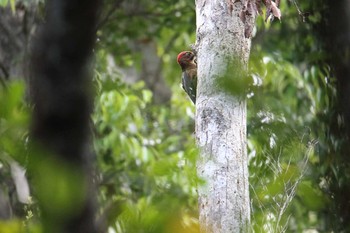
[(188, 63)]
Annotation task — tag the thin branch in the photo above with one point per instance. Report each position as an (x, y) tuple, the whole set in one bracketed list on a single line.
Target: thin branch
[(302, 14)]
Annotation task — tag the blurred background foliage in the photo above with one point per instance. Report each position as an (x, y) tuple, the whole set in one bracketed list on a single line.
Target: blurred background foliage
[(143, 134)]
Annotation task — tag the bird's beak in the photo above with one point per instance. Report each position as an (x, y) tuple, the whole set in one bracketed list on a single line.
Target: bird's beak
[(192, 56)]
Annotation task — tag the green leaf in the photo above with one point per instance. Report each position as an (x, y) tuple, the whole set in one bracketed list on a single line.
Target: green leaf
[(311, 196), (3, 3), (12, 3)]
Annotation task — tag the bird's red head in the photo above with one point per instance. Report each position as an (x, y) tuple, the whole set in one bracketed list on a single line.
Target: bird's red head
[(186, 60), (185, 56)]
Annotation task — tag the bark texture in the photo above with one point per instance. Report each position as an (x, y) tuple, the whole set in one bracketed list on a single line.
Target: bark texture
[(221, 117)]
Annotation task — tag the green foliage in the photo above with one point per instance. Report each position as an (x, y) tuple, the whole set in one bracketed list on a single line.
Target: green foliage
[(14, 118), (3, 3), (147, 165), (12, 3), (170, 23), (234, 80), (63, 181), (287, 125), (17, 226)]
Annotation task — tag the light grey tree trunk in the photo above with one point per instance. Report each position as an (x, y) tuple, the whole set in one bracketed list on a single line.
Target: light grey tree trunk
[(16, 31), (221, 117)]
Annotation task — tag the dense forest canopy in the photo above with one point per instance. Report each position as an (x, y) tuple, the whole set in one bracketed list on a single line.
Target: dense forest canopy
[(142, 123)]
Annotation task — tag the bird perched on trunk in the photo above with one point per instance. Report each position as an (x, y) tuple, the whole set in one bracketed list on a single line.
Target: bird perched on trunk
[(188, 63)]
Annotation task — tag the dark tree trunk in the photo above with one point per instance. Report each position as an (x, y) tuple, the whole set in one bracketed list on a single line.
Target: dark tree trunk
[(61, 95), (336, 35)]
